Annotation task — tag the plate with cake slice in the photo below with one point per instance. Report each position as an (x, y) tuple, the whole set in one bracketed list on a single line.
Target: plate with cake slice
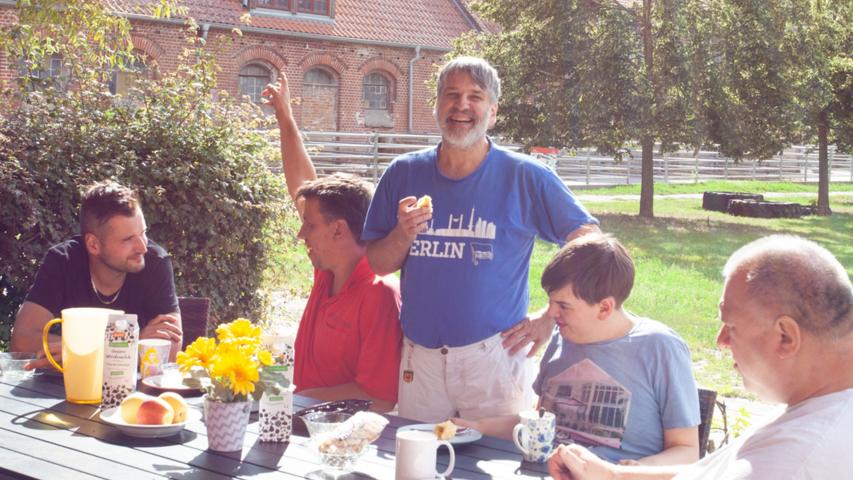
[(444, 431)]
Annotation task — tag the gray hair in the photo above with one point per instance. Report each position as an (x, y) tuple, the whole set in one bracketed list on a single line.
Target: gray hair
[(798, 278), (481, 72)]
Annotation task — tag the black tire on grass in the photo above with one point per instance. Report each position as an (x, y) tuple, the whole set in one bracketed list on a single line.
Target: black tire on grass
[(719, 201), (759, 209)]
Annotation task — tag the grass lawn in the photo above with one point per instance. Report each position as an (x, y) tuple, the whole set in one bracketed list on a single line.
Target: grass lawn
[(679, 256)]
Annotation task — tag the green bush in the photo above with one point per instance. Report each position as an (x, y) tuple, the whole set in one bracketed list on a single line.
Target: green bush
[(194, 155)]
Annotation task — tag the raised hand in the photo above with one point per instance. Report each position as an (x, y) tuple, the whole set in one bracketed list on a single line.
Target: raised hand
[(278, 96)]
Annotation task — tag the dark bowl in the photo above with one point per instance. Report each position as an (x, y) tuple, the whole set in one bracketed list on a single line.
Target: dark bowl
[(349, 406)]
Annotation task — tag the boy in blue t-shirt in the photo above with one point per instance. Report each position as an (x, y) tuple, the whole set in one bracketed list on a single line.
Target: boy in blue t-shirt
[(619, 384)]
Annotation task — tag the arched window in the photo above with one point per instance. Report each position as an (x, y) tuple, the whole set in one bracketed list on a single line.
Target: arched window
[(125, 78), (54, 68), (319, 100), (253, 78), (376, 91), (317, 77)]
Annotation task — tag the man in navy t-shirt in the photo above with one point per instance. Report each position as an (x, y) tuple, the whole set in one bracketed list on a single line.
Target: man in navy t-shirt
[(464, 259), (111, 264)]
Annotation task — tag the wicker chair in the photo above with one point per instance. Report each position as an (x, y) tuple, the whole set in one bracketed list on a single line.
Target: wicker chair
[(195, 312), (707, 401)]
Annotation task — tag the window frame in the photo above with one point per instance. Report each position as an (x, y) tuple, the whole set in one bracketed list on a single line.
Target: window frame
[(269, 78), (138, 67), (295, 6), (332, 76), (259, 4), (308, 91), (311, 9), (52, 72), (389, 91)]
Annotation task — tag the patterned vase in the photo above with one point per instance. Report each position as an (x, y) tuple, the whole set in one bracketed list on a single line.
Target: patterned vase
[(226, 424)]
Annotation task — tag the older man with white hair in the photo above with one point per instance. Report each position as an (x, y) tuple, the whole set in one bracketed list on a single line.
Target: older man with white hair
[(787, 317), (465, 256)]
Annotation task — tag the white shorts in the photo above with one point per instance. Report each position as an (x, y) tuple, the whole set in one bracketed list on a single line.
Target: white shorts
[(472, 382)]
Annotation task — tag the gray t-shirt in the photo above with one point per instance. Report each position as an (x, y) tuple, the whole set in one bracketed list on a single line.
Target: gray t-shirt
[(618, 396)]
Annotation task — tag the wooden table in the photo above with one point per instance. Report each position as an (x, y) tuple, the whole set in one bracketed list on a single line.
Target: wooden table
[(43, 436)]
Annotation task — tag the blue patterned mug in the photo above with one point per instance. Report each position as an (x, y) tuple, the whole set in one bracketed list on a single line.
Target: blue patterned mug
[(534, 436)]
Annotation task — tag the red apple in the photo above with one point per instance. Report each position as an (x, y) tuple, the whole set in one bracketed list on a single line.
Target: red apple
[(130, 405), (155, 411)]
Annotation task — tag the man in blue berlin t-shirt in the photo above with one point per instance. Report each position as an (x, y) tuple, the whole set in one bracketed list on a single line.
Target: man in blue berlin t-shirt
[(464, 260)]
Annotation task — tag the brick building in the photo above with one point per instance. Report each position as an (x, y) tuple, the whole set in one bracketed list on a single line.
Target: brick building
[(356, 65)]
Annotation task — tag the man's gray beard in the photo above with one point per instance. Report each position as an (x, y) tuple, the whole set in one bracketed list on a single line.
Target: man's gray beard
[(468, 140)]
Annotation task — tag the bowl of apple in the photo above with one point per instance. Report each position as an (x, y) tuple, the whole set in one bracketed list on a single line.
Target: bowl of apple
[(145, 416)]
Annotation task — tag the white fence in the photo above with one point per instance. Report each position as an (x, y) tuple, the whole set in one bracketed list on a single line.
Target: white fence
[(368, 154)]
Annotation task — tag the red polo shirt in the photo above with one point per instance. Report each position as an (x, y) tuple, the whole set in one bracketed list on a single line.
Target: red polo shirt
[(354, 336)]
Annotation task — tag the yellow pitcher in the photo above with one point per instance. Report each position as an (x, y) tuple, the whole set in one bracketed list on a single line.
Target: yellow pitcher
[(83, 332)]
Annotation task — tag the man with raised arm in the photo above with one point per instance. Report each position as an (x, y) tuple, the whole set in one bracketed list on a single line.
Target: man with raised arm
[(348, 342), (464, 257), (787, 317)]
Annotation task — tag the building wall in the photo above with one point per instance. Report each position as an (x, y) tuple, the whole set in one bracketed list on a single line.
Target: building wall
[(7, 71), (349, 63)]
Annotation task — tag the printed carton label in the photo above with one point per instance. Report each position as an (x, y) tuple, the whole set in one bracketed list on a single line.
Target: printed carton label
[(275, 416), (120, 356)]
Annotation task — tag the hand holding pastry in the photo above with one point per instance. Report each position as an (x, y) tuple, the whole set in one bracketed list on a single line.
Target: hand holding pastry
[(411, 218), (424, 202)]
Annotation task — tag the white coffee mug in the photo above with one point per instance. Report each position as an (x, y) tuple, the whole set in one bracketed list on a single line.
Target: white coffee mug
[(416, 455), (534, 435)]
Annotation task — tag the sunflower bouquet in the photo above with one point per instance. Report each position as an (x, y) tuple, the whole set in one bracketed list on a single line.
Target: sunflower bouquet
[(233, 367)]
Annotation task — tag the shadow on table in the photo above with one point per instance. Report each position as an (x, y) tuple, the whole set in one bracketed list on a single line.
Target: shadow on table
[(321, 475), (184, 473), (531, 470), (21, 391), (117, 438)]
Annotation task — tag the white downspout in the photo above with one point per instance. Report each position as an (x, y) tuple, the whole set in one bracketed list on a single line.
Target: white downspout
[(412, 85)]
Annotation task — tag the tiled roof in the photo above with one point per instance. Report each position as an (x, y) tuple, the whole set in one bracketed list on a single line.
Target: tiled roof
[(429, 23)]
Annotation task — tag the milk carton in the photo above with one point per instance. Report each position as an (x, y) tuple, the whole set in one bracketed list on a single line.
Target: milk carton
[(275, 416), (120, 357), (275, 410)]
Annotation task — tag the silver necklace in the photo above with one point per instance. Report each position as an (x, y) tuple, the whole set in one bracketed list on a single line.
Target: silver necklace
[(100, 298)]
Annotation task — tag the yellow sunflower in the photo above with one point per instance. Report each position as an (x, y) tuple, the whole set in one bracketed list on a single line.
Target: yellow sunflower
[(239, 331), (240, 371), (265, 357), (200, 353)]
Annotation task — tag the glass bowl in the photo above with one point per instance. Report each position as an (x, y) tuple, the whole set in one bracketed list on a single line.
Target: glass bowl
[(12, 365), (341, 462), (320, 423), (321, 427)]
